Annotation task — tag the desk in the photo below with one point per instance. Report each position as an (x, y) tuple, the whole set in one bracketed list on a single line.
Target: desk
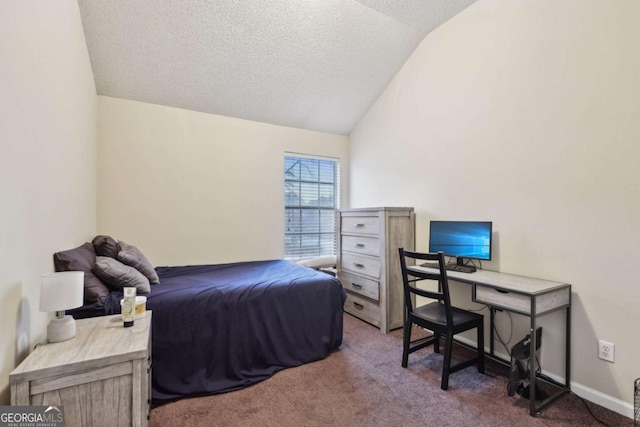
[(527, 296)]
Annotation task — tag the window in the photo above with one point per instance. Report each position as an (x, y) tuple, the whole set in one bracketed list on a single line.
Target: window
[(310, 202)]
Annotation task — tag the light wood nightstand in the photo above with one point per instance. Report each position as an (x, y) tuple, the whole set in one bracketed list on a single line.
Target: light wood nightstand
[(102, 377)]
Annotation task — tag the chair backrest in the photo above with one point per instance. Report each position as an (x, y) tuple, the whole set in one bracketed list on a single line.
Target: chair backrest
[(411, 276)]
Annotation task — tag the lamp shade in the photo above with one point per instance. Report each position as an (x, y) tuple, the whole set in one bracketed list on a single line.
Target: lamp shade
[(62, 291)]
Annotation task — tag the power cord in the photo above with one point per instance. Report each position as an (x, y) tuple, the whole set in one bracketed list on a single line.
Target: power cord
[(495, 329), (538, 368), (584, 402), (479, 309)]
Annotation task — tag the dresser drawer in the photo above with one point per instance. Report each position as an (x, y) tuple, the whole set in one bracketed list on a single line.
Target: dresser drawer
[(363, 308), (360, 224), (361, 245), (360, 264), (360, 285)]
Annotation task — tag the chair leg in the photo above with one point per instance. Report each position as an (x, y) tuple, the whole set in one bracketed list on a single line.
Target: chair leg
[(406, 341), (446, 363), (436, 342), (481, 347)]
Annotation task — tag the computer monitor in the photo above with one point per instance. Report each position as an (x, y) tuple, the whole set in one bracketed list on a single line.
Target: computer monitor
[(462, 239)]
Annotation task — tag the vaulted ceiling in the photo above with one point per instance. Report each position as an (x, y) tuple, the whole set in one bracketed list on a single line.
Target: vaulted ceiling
[(311, 64)]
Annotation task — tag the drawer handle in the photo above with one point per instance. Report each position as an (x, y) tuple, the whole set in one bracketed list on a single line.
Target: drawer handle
[(358, 224), (357, 286), (359, 245), (502, 292), (358, 305), (357, 264)]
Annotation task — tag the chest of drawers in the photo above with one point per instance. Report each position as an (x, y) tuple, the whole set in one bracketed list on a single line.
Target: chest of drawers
[(368, 264)]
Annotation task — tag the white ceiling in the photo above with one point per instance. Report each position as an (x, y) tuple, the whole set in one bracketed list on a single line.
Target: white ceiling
[(312, 64)]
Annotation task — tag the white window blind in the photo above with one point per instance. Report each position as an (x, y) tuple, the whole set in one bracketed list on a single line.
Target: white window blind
[(311, 198)]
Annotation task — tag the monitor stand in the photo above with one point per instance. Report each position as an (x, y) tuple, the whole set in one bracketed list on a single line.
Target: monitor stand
[(459, 260)]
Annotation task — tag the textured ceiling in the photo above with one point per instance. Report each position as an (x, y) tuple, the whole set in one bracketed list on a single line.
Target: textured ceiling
[(312, 64)]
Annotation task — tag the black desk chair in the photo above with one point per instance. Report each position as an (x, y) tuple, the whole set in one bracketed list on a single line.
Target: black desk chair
[(438, 316)]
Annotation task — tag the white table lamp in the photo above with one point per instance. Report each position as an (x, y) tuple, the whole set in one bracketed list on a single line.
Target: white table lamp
[(59, 292)]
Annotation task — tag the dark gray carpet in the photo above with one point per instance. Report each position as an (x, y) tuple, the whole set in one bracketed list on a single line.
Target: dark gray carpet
[(363, 384)]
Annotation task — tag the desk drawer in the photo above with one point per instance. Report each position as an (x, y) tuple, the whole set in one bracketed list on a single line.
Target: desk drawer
[(360, 224), (519, 303), (361, 264), (360, 285), (363, 308), (361, 245)]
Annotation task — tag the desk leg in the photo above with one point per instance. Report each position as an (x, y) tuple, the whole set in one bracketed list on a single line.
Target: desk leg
[(492, 317), (532, 358), (567, 348)]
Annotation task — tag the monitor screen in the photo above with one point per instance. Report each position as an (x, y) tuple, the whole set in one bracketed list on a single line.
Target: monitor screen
[(462, 239)]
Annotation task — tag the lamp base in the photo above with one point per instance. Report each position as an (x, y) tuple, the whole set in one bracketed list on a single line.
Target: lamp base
[(61, 329)]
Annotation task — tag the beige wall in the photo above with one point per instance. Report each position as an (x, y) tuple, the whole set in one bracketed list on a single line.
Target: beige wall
[(537, 100), (48, 143), (192, 188), (527, 114)]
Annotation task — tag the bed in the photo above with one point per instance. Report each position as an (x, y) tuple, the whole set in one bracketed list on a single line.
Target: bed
[(219, 328)]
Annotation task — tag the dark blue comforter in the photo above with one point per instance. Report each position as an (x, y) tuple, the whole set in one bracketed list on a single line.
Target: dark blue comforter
[(218, 328)]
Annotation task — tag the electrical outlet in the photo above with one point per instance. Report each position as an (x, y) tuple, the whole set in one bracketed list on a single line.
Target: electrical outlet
[(606, 350)]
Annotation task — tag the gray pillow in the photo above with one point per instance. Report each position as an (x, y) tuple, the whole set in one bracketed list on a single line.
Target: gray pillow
[(83, 258), (105, 246), (131, 256), (119, 276)]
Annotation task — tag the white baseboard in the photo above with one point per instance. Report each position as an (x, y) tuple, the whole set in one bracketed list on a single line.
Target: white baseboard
[(597, 397)]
